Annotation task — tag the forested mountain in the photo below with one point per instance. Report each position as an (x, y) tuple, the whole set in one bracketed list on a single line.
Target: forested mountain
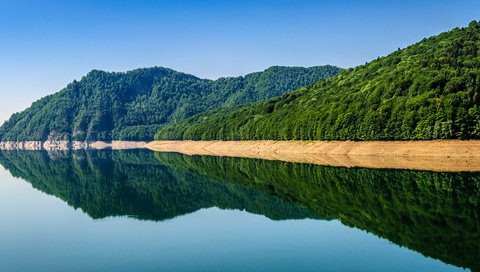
[(135, 104), (430, 90)]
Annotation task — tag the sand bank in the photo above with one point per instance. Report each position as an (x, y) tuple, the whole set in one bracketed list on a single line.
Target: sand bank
[(441, 155)]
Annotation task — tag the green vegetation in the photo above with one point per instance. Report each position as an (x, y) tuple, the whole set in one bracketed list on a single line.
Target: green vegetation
[(435, 214), (430, 90), (134, 105), (134, 183)]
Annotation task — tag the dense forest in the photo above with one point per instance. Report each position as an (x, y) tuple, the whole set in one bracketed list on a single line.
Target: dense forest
[(430, 90), (135, 104), (435, 214)]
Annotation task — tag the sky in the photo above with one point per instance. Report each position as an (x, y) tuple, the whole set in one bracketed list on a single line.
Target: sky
[(44, 45)]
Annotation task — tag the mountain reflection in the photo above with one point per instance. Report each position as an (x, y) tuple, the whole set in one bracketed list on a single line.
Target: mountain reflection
[(436, 214)]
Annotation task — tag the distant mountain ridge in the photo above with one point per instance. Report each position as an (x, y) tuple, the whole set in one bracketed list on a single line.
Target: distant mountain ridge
[(134, 105), (430, 90)]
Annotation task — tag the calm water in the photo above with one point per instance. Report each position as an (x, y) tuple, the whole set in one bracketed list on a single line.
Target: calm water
[(140, 211)]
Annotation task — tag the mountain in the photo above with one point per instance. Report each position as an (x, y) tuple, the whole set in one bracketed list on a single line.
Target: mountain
[(430, 90), (135, 104)]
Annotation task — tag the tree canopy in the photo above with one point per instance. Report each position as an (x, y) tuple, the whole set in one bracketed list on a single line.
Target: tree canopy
[(430, 90), (135, 104)]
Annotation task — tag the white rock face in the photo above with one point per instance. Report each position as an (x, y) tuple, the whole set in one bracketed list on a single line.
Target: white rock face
[(25, 145), (35, 145), (76, 145), (52, 145), (56, 145)]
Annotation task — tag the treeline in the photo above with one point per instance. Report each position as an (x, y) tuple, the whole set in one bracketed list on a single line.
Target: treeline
[(134, 105), (430, 90)]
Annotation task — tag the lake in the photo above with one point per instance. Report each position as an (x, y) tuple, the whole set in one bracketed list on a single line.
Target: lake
[(145, 211)]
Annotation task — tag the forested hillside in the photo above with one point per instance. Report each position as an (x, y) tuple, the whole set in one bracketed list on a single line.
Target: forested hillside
[(134, 105), (430, 90)]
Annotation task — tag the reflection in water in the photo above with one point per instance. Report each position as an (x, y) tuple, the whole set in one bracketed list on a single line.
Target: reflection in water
[(134, 183), (436, 214)]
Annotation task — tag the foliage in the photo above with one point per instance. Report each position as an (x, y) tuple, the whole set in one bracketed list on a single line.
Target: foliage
[(430, 90), (134, 105)]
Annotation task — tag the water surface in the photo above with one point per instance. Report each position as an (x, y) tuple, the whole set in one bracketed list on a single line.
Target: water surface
[(141, 211)]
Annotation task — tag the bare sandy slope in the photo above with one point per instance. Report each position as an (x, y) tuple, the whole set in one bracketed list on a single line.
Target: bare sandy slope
[(448, 155)]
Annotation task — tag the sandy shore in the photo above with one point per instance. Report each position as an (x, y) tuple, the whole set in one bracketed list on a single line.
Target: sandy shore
[(444, 155), (448, 155)]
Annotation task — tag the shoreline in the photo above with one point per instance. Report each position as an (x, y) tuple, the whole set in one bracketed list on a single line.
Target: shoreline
[(432, 155), (70, 145)]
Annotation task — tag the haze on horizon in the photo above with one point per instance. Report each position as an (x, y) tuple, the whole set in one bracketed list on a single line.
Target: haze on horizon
[(47, 44)]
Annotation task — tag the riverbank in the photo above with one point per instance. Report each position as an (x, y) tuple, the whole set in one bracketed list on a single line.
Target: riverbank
[(69, 145), (438, 155)]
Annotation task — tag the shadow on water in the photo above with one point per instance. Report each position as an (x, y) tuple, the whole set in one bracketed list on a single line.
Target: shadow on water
[(436, 214)]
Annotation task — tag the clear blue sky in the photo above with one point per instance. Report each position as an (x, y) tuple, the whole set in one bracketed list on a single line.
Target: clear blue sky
[(46, 44)]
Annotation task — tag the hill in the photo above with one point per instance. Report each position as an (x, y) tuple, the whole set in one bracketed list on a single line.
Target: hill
[(135, 104), (430, 90)]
